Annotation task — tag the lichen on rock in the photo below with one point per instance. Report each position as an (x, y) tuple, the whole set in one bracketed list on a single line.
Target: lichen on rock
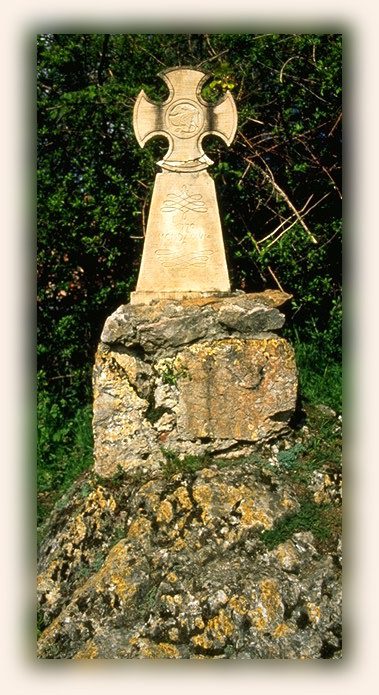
[(153, 566), (193, 376)]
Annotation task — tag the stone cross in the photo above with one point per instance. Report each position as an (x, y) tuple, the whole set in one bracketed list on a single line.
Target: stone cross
[(183, 253)]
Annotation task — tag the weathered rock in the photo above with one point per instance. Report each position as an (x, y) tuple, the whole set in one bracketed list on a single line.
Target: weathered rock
[(236, 389), (171, 324), (156, 566), (195, 377)]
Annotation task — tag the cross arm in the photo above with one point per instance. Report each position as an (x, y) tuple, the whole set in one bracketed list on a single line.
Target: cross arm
[(148, 120)]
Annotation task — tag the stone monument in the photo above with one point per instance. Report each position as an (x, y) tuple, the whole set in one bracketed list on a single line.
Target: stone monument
[(188, 366), (184, 251)]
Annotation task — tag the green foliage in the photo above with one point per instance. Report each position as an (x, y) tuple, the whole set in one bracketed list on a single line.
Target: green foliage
[(171, 374), (320, 377), (64, 448), (188, 464), (310, 517), (288, 458)]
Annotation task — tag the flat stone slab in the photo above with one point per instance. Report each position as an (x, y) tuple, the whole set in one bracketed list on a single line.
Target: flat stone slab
[(168, 325)]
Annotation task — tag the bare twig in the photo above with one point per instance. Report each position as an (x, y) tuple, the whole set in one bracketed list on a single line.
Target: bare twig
[(209, 44), (270, 177), (284, 222), (142, 48), (208, 60), (246, 170), (255, 120), (335, 125), (275, 278), (284, 65), (324, 169)]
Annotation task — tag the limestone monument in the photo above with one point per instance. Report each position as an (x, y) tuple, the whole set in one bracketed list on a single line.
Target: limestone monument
[(183, 252), (188, 366)]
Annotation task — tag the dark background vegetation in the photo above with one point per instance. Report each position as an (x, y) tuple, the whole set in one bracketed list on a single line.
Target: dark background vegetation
[(279, 190)]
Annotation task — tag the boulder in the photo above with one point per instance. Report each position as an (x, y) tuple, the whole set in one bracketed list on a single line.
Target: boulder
[(175, 565), (195, 376)]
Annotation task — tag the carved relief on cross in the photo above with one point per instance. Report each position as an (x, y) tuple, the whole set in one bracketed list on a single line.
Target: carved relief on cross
[(184, 119)]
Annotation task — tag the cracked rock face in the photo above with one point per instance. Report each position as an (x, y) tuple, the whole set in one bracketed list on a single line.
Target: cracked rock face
[(193, 377), (156, 566)]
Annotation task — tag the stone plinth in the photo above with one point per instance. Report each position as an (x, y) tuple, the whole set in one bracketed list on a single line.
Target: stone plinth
[(195, 376)]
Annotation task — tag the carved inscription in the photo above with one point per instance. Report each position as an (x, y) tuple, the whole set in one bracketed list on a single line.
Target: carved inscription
[(184, 202), (170, 258), (184, 232)]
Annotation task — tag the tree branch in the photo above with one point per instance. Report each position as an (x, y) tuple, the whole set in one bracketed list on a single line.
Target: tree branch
[(270, 177)]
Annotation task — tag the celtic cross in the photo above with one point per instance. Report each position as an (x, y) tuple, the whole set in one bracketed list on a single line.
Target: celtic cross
[(184, 119), (183, 253)]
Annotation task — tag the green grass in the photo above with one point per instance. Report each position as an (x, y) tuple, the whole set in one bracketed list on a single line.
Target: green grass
[(188, 464), (310, 517), (64, 451), (320, 378)]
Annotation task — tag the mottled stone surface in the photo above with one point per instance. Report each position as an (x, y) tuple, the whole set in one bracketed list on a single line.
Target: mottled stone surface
[(160, 564), (194, 377), (236, 389)]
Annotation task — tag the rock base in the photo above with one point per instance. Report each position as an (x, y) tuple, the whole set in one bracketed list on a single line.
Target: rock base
[(179, 566), (198, 376)]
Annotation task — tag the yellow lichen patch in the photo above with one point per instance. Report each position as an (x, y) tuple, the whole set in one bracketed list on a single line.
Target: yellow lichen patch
[(139, 527), (218, 498), (258, 618), (269, 608), (179, 544), (221, 625), (172, 577), (228, 495), (113, 576), (287, 503), (47, 586), (202, 641), (165, 512), (239, 604), (89, 651), (98, 500), (270, 597), (287, 555), (183, 498), (203, 496), (172, 602), (120, 587), (149, 495), (173, 634), (162, 650), (217, 630), (281, 630), (199, 622), (314, 612), (251, 515), (80, 529)]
